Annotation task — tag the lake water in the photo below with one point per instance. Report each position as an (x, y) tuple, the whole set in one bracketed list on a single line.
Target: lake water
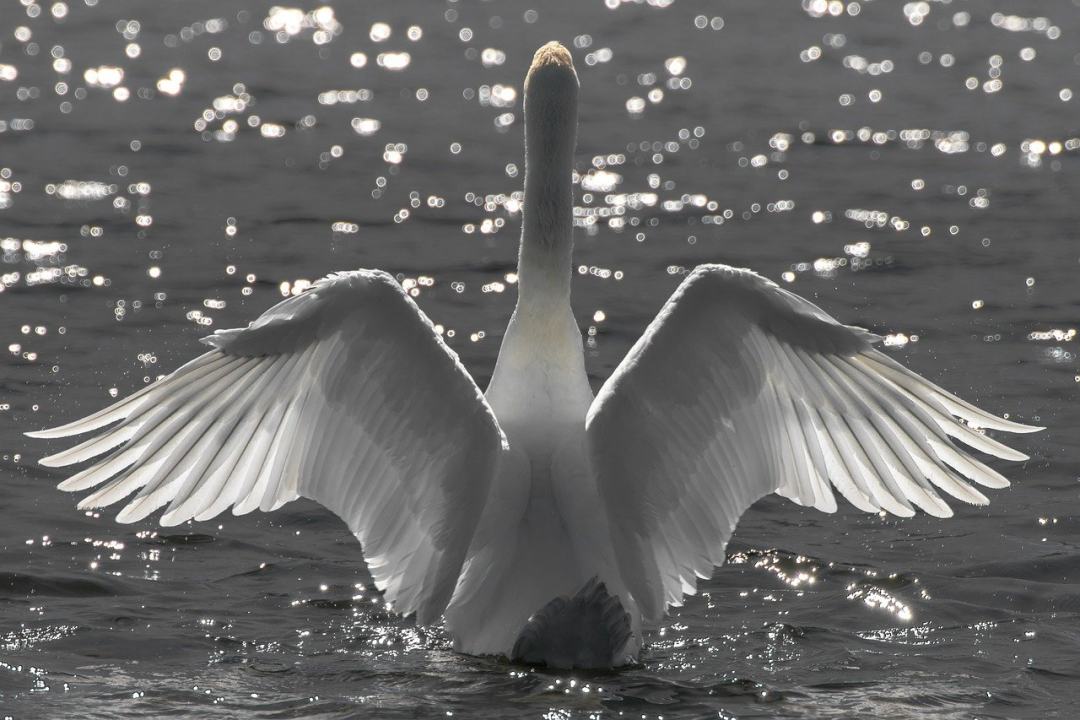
[(171, 168)]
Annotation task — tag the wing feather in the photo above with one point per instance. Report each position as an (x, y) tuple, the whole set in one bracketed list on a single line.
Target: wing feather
[(740, 388), (344, 394), (124, 408)]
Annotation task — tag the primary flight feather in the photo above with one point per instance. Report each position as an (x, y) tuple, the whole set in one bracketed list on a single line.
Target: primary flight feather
[(546, 525)]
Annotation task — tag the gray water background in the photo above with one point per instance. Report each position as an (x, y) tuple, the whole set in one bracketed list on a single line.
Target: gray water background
[(108, 284)]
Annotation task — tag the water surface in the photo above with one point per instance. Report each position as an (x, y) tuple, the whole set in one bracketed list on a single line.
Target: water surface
[(171, 168)]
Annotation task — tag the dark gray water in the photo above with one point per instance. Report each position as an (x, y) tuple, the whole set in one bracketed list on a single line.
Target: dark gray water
[(910, 167)]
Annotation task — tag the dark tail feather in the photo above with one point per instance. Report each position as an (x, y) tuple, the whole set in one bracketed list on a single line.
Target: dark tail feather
[(584, 631)]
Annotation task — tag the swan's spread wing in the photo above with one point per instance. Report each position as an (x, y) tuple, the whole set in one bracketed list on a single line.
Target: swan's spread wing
[(739, 389), (343, 394)]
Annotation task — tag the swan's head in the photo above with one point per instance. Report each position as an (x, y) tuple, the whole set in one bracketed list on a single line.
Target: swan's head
[(551, 90), (551, 64)]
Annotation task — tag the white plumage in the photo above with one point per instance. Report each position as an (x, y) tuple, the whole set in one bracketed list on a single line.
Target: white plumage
[(740, 388), (345, 395), (489, 507)]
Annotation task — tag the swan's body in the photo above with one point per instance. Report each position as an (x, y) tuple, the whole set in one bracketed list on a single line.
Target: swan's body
[(545, 525)]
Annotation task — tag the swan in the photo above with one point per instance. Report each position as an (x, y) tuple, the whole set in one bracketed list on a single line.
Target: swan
[(542, 523)]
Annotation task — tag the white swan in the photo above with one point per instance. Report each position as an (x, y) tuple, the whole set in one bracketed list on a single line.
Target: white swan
[(546, 525)]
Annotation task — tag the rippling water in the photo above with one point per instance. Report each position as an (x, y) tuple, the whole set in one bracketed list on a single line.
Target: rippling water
[(170, 168)]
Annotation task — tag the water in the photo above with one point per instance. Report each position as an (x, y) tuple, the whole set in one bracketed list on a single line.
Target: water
[(843, 155)]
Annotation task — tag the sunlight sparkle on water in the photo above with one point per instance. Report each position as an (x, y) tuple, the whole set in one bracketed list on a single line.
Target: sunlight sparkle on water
[(393, 140)]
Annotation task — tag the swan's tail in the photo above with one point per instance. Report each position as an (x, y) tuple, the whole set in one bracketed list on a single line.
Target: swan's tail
[(587, 631)]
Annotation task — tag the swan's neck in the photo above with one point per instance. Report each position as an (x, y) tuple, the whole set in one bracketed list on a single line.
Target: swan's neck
[(540, 374), (545, 258)]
